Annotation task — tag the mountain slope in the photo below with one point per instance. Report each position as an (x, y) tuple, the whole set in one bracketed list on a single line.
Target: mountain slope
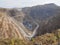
[(47, 16), (42, 12), (8, 29)]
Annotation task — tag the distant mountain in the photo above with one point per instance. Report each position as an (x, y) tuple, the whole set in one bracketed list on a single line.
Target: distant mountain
[(47, 16), (42, 12)]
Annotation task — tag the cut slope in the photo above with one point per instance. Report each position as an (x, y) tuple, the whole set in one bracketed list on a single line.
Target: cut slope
[(7, 27)]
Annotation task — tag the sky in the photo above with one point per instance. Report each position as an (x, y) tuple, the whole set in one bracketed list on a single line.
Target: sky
[(25, 3)]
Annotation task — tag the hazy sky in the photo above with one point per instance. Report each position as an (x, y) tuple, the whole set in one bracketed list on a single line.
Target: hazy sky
[(25, 3)]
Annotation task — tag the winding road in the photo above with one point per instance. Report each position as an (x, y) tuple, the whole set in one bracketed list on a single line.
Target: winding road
[(22, 30)]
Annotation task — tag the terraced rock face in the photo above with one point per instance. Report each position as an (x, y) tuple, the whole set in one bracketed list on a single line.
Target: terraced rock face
[(7, 27)]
